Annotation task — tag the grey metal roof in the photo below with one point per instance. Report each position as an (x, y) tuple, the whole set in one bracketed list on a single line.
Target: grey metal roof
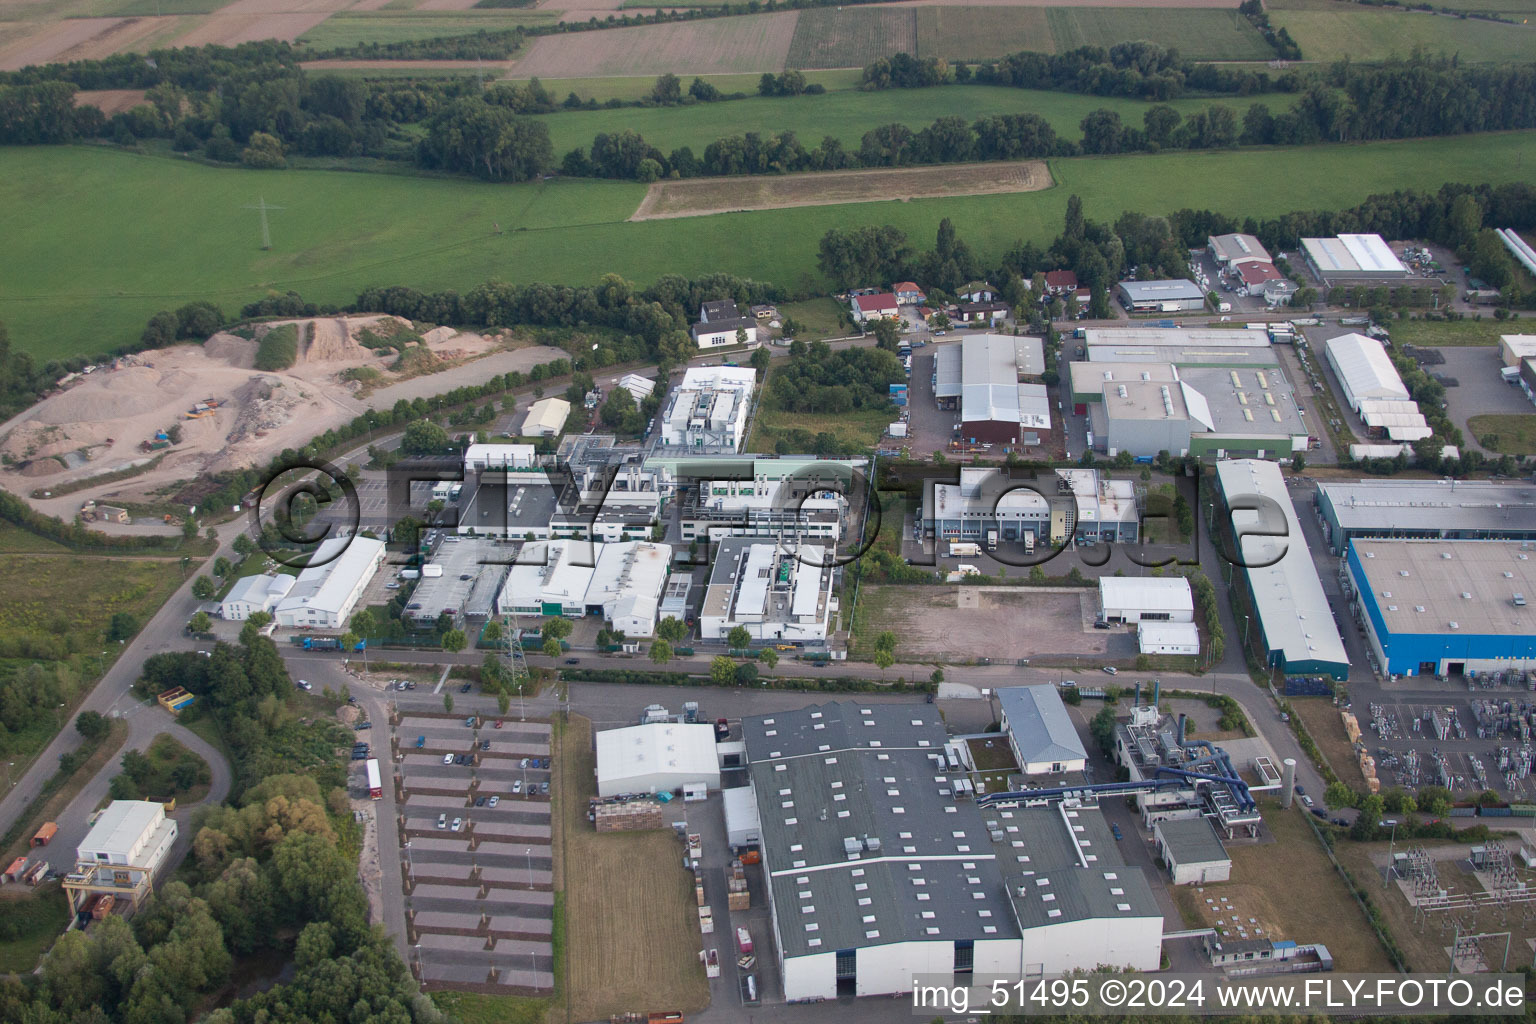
[(491, 504), (1192, 841), (1239, 247), (1379, 506), (1039, 724), (485, 562), (1153, 291), (948, 378), (828, 774), (1062, 864)]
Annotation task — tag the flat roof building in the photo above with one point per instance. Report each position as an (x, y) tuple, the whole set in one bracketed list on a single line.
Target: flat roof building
[(546, 417), (1160, 296), (984, 378), (1039, 730), (1154, 637), (985, 500), (1450, 509), (1145, 599), (1101, 509), (661, 757), (1294, 619), (252, 594), (1235, 249), (123, 853), (498, 456), (1446, 607), (776, 591), (1192, 851), (469, 574), (707, 412), (1185, 348), (324, 595), (627, 584), (550, 578), (1515, 349), (1352, 259)]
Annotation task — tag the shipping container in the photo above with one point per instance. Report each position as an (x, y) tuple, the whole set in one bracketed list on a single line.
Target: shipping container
[(44, 835)]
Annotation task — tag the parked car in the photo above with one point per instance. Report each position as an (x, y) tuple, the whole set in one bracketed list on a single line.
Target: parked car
[(470, 722), (1100, 624), (447, 759), (573, 661), (1341, 822), (544, 788), (1320, 813), (1300, 790), (1111, 670), (421, 741), (442, 821), (391, 586), (304, 684), (465, 688), (523, 763), (458, 824), (365, 724), (480, 801), (485, 744), (1115, 831), (544, 763), (498, 723), (494, 801), (517, 785), (1307, 800)]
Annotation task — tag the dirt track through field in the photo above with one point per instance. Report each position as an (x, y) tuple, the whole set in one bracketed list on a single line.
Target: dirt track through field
[(700, 197), (711, 47), (78, 39)]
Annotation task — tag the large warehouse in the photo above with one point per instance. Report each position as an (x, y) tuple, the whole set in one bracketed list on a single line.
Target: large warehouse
[(1364, 370), (1292, 615), (1452, 509), (324, 595), (1353, 259), (775, 591), (984, 501), (1161, 296), (1145, 599), (1205, 411), (984, 377), (1039, 730), (1446, 607), (661, 757), (622, 582), (879, 871)]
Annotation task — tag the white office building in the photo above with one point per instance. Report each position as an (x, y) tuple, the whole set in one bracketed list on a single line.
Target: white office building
[(122, 854), (707, 412), (325, 594), (661, 757), (1142, 598), (498, 456), (777, 592), (550, 578), (252, 594), (626, 585)]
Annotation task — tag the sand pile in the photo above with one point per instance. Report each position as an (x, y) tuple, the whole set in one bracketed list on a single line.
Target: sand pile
[(230, 349), (131, 391)]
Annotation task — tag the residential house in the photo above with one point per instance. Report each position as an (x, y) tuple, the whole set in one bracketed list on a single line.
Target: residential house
[(874, 307), (908, 293)]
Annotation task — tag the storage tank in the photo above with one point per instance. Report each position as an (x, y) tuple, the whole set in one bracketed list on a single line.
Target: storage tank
[(1287, 781)]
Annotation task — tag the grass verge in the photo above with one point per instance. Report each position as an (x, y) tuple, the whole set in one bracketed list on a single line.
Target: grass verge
[(1452, 333), (32, 919), (1512, 434)]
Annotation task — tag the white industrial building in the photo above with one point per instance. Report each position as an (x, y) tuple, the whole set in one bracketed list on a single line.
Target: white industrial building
[(660, 757), (324, 595), (546, 417), (1039, 730), (626, 585), (1356, 259), (743, 827), (1515, 349), (498, 456), (880, 869), (550, 578), (1138, 598), (638, 386), (1192, 851), (707, 412), (122, 854), (1167, 637), (984, 378), (1364, 370), (775, 591), (252, 594)]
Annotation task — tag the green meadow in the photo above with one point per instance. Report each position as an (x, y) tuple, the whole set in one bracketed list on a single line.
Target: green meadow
[(98, 239)]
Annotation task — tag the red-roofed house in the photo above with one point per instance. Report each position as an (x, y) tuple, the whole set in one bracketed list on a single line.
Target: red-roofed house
[(874, 307), (1256, 275), (908, 293), (1058, 282)]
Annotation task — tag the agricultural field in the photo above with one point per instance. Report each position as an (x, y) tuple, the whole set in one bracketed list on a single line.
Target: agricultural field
[(703, 196), (1202, 35), (1363, 34), (827, 37), (608, 971), (1516, 434), (847, 115), (66, 288), (349, 28), (716, 46), (979, 33)]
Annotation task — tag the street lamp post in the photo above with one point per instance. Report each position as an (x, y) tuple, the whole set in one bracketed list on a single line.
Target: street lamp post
[(529, 852)]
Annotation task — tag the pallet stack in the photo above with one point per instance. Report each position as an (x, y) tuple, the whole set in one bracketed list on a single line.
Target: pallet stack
[(634, 816), (738, 898)]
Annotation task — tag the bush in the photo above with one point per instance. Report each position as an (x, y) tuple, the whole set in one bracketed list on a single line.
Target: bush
[(279, 348)]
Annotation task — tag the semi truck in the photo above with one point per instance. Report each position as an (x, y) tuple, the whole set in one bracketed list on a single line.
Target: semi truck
[(991, 540), (323, 643), (375, 784), (963, 549)]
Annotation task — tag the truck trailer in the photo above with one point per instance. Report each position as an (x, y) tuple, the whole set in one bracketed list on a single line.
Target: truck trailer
[(375, 784), (963, 549)]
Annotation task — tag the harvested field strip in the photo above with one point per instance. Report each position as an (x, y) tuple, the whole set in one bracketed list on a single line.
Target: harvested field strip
[(851, 37), (350, 28), (978, 33), (1201, 35), (110, 101), (700, 196), (234, 29), (717, 46), (602, 89), (140, 8), (1378, 34)]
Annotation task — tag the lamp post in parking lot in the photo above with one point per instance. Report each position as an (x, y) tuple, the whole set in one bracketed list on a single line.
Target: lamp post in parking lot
[(529, 852)]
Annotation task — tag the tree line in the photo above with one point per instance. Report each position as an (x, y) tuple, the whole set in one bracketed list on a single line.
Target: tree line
[(818, 380)]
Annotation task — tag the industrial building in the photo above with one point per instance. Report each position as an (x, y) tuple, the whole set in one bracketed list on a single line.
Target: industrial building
[(1449, 509), (1446, 607), (1192, 851), (721, 323), (1260, 279), (546, 418), (622, 583), (549, 578), (1100, 510), (707, 413), (639, 387), (1160, 296), (1515, 349), (985, 505), (787, 499), (252, 594), (1167, 637), (984, 378), (1273, 565), (627, 584), (1234, 250), (460, 579), (1039, 730), (659, 757), (122, 855), (775, 591), (516, 504), (1364, 370), (1186, 778), (479, 457), (324, 595), (1184, 347), (880, 868), (1353, 259), (1145, 599), (1203, 411)]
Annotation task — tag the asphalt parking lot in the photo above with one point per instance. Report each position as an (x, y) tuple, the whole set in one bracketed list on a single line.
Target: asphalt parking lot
[(479, 899), (1479, 389)]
